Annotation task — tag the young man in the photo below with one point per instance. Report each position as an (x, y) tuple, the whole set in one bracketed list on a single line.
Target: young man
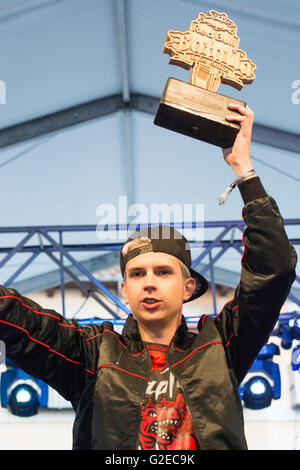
[(159, 386)]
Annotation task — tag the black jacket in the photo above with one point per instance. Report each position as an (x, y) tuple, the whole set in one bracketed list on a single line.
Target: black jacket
[(104, 374)]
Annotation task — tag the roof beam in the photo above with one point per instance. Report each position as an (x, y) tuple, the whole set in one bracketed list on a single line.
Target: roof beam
[(126, 147), (111, 104), (276, 138), (60, 120), (123, 50)]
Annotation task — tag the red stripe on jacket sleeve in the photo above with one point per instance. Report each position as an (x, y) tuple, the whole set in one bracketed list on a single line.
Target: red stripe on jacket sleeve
[(46, 345)]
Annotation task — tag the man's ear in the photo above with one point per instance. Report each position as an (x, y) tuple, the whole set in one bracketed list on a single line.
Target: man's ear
[(189, 287), (123, 289)]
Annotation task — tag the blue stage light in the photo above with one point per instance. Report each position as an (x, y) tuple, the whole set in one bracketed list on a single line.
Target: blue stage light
[(23, 400), (296, 358), (257, 393)]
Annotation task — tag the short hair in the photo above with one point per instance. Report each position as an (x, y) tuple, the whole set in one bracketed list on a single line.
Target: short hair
[(141, 241)]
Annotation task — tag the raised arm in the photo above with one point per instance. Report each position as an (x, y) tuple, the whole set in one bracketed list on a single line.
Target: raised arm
[(268, 263)]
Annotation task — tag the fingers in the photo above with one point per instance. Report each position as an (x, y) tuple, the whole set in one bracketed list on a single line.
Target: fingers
[(235, 118), (245, 113)]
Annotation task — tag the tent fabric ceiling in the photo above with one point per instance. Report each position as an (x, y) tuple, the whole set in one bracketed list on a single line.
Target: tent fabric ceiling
[(61, 53)]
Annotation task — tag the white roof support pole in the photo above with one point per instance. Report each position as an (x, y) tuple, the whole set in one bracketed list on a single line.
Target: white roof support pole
[(127, 147)]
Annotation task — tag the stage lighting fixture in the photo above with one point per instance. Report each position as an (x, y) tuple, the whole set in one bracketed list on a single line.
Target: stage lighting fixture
[(22, 394), (295, 377), (296, 358), (257, 393), (24, 398), (288, 329)]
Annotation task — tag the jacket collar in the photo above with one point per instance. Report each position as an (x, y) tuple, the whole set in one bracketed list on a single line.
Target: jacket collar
[(131, 330), (131, 334)]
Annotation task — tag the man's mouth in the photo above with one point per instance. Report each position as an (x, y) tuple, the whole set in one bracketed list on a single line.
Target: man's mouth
[(150, 303)]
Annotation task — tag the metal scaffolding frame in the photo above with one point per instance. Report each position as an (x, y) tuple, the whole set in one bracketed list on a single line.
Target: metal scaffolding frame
[(59, 252)]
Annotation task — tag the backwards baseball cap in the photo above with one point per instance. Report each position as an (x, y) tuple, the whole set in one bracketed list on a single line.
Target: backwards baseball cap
[(166, 239)]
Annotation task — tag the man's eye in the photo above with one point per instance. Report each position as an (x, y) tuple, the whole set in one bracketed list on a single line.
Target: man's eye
[(164, 272), (137, 274)]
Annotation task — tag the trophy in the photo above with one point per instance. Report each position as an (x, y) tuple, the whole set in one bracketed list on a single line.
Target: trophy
[(210, 49)]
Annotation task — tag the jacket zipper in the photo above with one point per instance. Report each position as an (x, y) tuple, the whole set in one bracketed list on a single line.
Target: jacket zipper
[(142, 399), (187, 405)]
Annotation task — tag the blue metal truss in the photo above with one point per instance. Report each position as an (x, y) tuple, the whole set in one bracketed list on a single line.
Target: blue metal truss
[(58, 251)]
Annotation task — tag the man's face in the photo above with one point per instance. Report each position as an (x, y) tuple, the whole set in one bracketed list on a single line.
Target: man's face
[(155, 288)]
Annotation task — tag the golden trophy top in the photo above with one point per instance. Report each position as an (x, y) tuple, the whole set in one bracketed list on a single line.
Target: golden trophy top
[(210, 48)]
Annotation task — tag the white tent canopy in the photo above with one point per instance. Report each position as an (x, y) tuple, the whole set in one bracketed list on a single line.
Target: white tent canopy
[(59, 164)]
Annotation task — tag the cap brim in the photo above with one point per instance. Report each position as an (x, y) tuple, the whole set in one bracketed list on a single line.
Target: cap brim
[(201, 285)]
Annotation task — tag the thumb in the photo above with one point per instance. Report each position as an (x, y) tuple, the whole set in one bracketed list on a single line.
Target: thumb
[(226, 152)]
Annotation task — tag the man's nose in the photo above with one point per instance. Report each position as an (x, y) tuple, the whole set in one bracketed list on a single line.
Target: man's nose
[(150, 280)]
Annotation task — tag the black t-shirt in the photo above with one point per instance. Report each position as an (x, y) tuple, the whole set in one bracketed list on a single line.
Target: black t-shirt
[(165, 420)]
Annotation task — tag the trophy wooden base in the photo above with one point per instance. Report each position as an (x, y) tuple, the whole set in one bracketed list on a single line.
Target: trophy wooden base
[(197, 113)]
